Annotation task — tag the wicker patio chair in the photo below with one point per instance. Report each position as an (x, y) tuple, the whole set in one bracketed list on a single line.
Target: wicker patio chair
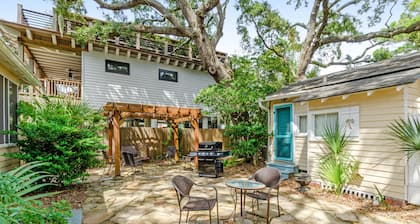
[(183, 186), (270, 177)]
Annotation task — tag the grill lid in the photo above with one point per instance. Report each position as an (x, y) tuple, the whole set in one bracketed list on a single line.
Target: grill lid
[(210, 146)]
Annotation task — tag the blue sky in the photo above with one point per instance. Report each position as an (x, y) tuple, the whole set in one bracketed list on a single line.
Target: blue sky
[(229, 43)]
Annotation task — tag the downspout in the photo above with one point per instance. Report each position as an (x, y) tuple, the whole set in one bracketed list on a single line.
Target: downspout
[(262, 106)]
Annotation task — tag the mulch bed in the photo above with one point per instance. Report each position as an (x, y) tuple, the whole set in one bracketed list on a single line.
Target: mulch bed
[(74, 194)]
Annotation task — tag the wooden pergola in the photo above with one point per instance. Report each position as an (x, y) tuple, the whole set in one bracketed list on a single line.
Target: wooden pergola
[(117, 112)]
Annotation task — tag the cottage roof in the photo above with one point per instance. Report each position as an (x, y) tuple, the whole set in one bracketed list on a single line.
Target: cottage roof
[(397, 71)]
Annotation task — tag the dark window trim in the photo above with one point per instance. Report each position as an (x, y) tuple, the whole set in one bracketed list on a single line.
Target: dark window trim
[(118, 63), (166, 78)]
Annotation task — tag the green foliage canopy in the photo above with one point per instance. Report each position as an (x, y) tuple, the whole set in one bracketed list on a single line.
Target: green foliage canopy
[(236, 101), (318, 41)]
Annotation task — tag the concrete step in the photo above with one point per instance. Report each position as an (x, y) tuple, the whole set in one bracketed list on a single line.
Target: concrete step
[(285, 168)]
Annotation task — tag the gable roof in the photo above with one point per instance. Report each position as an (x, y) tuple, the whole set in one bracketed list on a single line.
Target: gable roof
[(397, 71)]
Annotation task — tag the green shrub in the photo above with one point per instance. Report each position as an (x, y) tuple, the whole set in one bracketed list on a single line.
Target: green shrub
[(337, 167), (247, 140), (17, 207), (62, 133)]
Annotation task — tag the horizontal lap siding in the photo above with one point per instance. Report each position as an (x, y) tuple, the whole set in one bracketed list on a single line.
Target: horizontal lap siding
[(5, 162), (142, 85), (382, 161), (414, 98), (300, 147), (301, 152)]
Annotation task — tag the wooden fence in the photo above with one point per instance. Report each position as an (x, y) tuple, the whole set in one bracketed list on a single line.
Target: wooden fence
[(158, 139), (5, 162)]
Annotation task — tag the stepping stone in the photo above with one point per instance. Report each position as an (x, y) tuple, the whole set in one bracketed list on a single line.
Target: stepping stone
[(347, 217), (76, 217)]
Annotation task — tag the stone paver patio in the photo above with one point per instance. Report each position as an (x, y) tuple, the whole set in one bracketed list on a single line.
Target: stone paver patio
[(148, 197)]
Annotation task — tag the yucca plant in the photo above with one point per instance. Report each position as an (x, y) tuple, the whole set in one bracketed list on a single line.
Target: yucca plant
[(407, 133), (19, 198), (337, 167)]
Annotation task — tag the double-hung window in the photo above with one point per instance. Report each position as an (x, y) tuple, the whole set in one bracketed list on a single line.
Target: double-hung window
[(323, 121), (346, 117), (8, 106), (302, 124)]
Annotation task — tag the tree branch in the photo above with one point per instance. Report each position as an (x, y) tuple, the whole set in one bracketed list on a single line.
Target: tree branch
[(151, 3), (265, 43), (160, 30), (207, 7), (389, 33), (302, 25), (345, 5), (323, 65), (221, 12), (359, 59)]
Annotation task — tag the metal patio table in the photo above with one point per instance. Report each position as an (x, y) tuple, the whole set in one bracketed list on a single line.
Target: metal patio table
[(243, 185)]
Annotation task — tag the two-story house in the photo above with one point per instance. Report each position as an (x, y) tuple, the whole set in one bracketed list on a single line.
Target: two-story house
[(13, 72), (140, 70)]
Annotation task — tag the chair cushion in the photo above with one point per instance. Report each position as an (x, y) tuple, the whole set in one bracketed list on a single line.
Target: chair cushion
[(199, 204)]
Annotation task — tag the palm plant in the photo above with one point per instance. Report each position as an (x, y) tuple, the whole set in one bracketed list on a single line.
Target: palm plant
[(337, 167), (407, 133), (18, 197)]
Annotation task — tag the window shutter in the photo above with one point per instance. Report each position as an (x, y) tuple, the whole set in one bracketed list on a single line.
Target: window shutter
[(349, 120)]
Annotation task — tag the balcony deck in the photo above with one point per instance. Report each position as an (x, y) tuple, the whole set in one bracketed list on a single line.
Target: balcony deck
[(168, 47), (70, 89)]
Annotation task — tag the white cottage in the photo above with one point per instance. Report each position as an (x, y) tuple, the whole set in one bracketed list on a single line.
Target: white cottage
[(365, 100)]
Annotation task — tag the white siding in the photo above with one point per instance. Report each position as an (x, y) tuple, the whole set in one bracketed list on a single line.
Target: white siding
[(142, 86), (381, 159), (413, 168), (300, 144)]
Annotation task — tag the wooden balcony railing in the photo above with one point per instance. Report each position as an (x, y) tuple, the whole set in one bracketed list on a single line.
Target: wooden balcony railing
[(169, 47), (53, 87)]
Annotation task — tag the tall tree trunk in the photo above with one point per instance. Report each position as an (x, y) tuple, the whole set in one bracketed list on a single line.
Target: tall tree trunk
[(217, 69)]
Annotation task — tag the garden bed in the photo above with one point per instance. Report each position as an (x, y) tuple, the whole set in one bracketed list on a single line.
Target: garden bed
[(74, 194), (395, 209)]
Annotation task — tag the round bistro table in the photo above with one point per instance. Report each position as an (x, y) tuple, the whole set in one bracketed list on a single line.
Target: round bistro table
[(243, 185)]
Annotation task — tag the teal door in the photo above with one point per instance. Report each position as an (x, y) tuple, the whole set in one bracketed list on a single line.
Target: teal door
[(283, 133)]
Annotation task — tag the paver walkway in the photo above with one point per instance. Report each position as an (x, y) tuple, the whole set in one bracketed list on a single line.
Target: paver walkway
[(149, 198)]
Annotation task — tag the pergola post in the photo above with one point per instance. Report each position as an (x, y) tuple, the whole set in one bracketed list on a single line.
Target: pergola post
[(117, 145), (176, 139), (194, 123), (110, 136)]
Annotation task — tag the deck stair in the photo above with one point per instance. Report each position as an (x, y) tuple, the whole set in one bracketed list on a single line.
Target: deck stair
[(286, 168)]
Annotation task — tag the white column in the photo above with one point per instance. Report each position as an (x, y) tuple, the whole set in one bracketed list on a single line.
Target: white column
[(205, 123), (154, 123)]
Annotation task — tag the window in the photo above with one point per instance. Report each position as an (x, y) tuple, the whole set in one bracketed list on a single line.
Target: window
[(168, 75), (8, 106), (117, 67), (303, 124), (346, 117), (323, 121)]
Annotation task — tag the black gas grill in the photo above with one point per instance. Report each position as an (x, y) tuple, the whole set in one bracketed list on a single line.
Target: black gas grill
[(209, 154)]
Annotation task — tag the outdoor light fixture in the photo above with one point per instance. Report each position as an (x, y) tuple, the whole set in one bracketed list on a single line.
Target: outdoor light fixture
[(70, 74)]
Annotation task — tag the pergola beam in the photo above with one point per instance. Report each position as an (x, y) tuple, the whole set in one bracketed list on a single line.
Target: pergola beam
[(117, 112)]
